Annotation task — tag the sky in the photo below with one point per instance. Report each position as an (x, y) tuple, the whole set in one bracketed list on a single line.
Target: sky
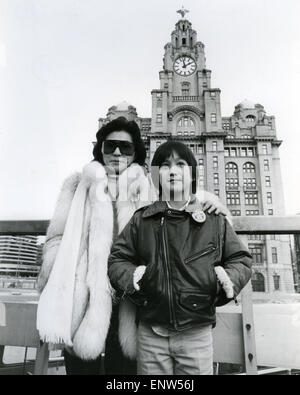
[(63, 63)]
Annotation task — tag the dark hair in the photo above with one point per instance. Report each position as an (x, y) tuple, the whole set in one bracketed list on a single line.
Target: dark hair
[(166, 150), (116, 125)]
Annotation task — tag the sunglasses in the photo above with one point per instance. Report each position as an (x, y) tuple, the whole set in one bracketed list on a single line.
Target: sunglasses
[(125, 147)]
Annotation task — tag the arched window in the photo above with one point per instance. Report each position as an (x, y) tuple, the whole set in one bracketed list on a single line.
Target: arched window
[(258, 282), (250, 120), (186, 126), (249, 167), (231, 168)]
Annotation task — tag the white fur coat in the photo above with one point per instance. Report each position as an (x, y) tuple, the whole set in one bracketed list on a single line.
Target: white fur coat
[(92, 303)]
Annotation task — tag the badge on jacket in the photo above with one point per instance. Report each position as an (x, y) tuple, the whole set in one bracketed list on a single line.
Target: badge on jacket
[(199, 216)]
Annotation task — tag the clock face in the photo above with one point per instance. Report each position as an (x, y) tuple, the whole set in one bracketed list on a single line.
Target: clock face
[(184, 65)]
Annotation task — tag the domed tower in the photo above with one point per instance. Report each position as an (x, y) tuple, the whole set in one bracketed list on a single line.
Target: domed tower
[(185, 105)]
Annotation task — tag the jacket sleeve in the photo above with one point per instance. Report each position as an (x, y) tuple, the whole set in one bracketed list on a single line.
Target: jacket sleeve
[(56, 228), (236, 260), (123, 259)]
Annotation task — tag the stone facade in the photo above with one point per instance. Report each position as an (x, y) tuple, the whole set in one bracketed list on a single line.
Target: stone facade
[(238, 156)]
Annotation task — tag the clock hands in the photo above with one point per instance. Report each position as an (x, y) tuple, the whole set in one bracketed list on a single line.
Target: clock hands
[(191, 62)]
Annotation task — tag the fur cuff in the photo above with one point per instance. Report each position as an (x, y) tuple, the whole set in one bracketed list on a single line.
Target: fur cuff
[(225, 281)]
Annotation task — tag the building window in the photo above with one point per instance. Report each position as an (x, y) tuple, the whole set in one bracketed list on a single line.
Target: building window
[(276, 278), (270, 212), (213, 118), (265, 149), (249, 168), (230, 136), (231, 168), (243, 151), (268, 181), (159, 118), (216, 179), (250, 183), (232, 183), (266, 165), (251, 152), (186, 125), (250, 119), (201, 181), (212, 94), (217, 192), (233, 152), (192, 148), (256, 252), (258, 282), (251, 213), (185, 88), (184, 41), (256, 237), (269, 197), (166, 86), (215, 163), (204, 84), (186, 121), (200, 149), (233, 198), (226, 152), (201, 166), (235, 213), (251, 198), (246, 136), (226, 126), (274, 255), (215, 146), (159, 95)]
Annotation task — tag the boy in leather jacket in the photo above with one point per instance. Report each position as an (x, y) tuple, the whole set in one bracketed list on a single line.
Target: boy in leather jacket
[(177, 263)]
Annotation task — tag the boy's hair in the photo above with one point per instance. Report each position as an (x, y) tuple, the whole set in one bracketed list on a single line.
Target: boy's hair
[(117, 125), (164, 152)]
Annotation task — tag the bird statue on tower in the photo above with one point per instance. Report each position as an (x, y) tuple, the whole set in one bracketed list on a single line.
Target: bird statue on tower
[(182, 11)]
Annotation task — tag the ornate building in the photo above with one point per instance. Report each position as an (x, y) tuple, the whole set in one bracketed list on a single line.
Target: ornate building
[(238, 156)]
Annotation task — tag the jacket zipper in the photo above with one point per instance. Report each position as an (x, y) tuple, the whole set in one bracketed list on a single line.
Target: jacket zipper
[(200, 254), (170, 294)]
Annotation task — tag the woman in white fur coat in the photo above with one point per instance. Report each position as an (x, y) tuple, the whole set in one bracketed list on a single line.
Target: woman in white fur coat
[(77, 306)]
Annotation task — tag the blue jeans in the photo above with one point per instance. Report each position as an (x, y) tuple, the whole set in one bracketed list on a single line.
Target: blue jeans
[(189, 352)]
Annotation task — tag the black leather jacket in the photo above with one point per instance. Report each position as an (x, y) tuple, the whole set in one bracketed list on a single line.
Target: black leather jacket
[(179, 287)]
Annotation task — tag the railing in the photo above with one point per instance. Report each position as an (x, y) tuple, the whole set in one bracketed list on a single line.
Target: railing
[(186, 98), (234, 335)]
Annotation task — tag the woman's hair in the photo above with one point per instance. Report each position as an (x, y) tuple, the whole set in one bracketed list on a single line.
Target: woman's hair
[(164, 152), (117, 125)]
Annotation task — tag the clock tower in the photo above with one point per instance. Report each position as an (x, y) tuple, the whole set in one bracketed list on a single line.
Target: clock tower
[(185, 106)]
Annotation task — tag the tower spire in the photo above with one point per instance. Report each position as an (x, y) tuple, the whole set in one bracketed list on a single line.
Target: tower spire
[(182, 12)]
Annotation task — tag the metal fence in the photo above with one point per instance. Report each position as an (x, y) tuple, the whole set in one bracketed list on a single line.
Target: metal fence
[(236, 335)]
